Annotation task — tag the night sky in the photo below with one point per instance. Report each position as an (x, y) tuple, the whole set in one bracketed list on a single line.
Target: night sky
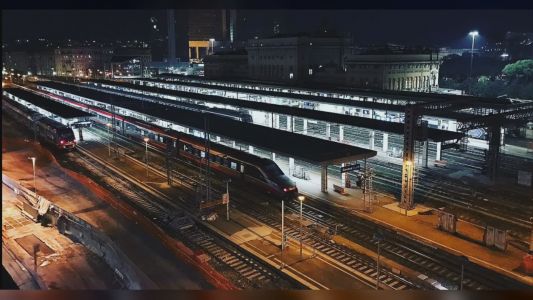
[(412, 27)]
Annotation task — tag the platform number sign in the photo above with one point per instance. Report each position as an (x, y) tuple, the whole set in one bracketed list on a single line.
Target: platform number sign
[(348, 168)]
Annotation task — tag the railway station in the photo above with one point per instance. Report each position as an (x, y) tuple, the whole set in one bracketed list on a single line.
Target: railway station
[(335, 123), (382, 105), (256, 139)]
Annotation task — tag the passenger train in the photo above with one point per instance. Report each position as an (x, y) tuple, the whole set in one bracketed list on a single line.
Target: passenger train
[(47, 130), (260, 172)]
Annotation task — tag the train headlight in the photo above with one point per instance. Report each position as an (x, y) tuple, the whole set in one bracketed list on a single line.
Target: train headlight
[(284, 189), (61, 142)]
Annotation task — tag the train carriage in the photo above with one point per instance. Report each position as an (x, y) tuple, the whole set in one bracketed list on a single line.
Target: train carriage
[(46, 129), (261, 172)]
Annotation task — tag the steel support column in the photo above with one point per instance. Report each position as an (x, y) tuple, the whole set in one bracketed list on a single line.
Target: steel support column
[(438, 152), (425, 152), (371, 139), (324, 179), (411, 118), (291, 166), (385, 142)]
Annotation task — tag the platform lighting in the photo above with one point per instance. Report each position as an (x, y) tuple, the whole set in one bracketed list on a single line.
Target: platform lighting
[(146, 139), (473, 34), (212, 45), (301, 198), (109, 138)]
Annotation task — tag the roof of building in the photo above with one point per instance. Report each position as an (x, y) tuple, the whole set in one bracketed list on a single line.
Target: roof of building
[(327, 88), (54, 107), (392, 127), (296, 145)]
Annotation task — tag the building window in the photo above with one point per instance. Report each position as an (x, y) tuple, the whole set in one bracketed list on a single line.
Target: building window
[(291, 75), (310, 71)]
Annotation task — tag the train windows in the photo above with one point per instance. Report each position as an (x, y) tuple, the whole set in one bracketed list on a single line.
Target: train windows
[(272, 170), (254, 172), (66, 134), (233, 165)]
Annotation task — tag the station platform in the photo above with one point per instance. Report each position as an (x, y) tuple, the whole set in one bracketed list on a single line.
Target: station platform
[(422, 227)]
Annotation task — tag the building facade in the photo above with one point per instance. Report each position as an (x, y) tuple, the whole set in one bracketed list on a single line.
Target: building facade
[(233, 65), (82, 61), (406, 72), (294, 59)]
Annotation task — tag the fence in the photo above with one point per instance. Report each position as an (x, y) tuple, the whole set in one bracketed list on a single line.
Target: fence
[(83, 232)]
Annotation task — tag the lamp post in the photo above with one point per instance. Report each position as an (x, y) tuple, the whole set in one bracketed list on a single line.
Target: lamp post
[(108, 139), (301, 198), (473, 34), (33, 159), (146, 139), (227, 201)]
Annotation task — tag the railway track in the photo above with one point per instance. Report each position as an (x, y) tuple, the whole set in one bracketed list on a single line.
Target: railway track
[(348, 257), (244, 270), (435, 263), (398, 250)]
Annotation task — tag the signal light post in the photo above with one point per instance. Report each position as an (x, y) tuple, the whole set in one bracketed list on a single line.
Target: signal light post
[(146, 139), (301, 198), (108, 139)]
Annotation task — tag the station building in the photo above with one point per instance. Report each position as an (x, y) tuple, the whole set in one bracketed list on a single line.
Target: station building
[(405, 72), (294, 58)]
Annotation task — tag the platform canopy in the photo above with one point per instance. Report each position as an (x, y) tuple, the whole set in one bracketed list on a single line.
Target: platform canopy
[(437, 135), (306, 148), (59, 109)]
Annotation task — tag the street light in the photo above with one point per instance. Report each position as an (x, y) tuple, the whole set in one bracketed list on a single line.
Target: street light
[(212, 45), (108, 138), (146, 139), (33, 158), (473, 34), (301, 198)]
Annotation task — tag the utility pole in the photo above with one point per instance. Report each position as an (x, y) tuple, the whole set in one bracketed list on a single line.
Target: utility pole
[(207, 149), (227, 200), (301, 198), (146, 139)]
